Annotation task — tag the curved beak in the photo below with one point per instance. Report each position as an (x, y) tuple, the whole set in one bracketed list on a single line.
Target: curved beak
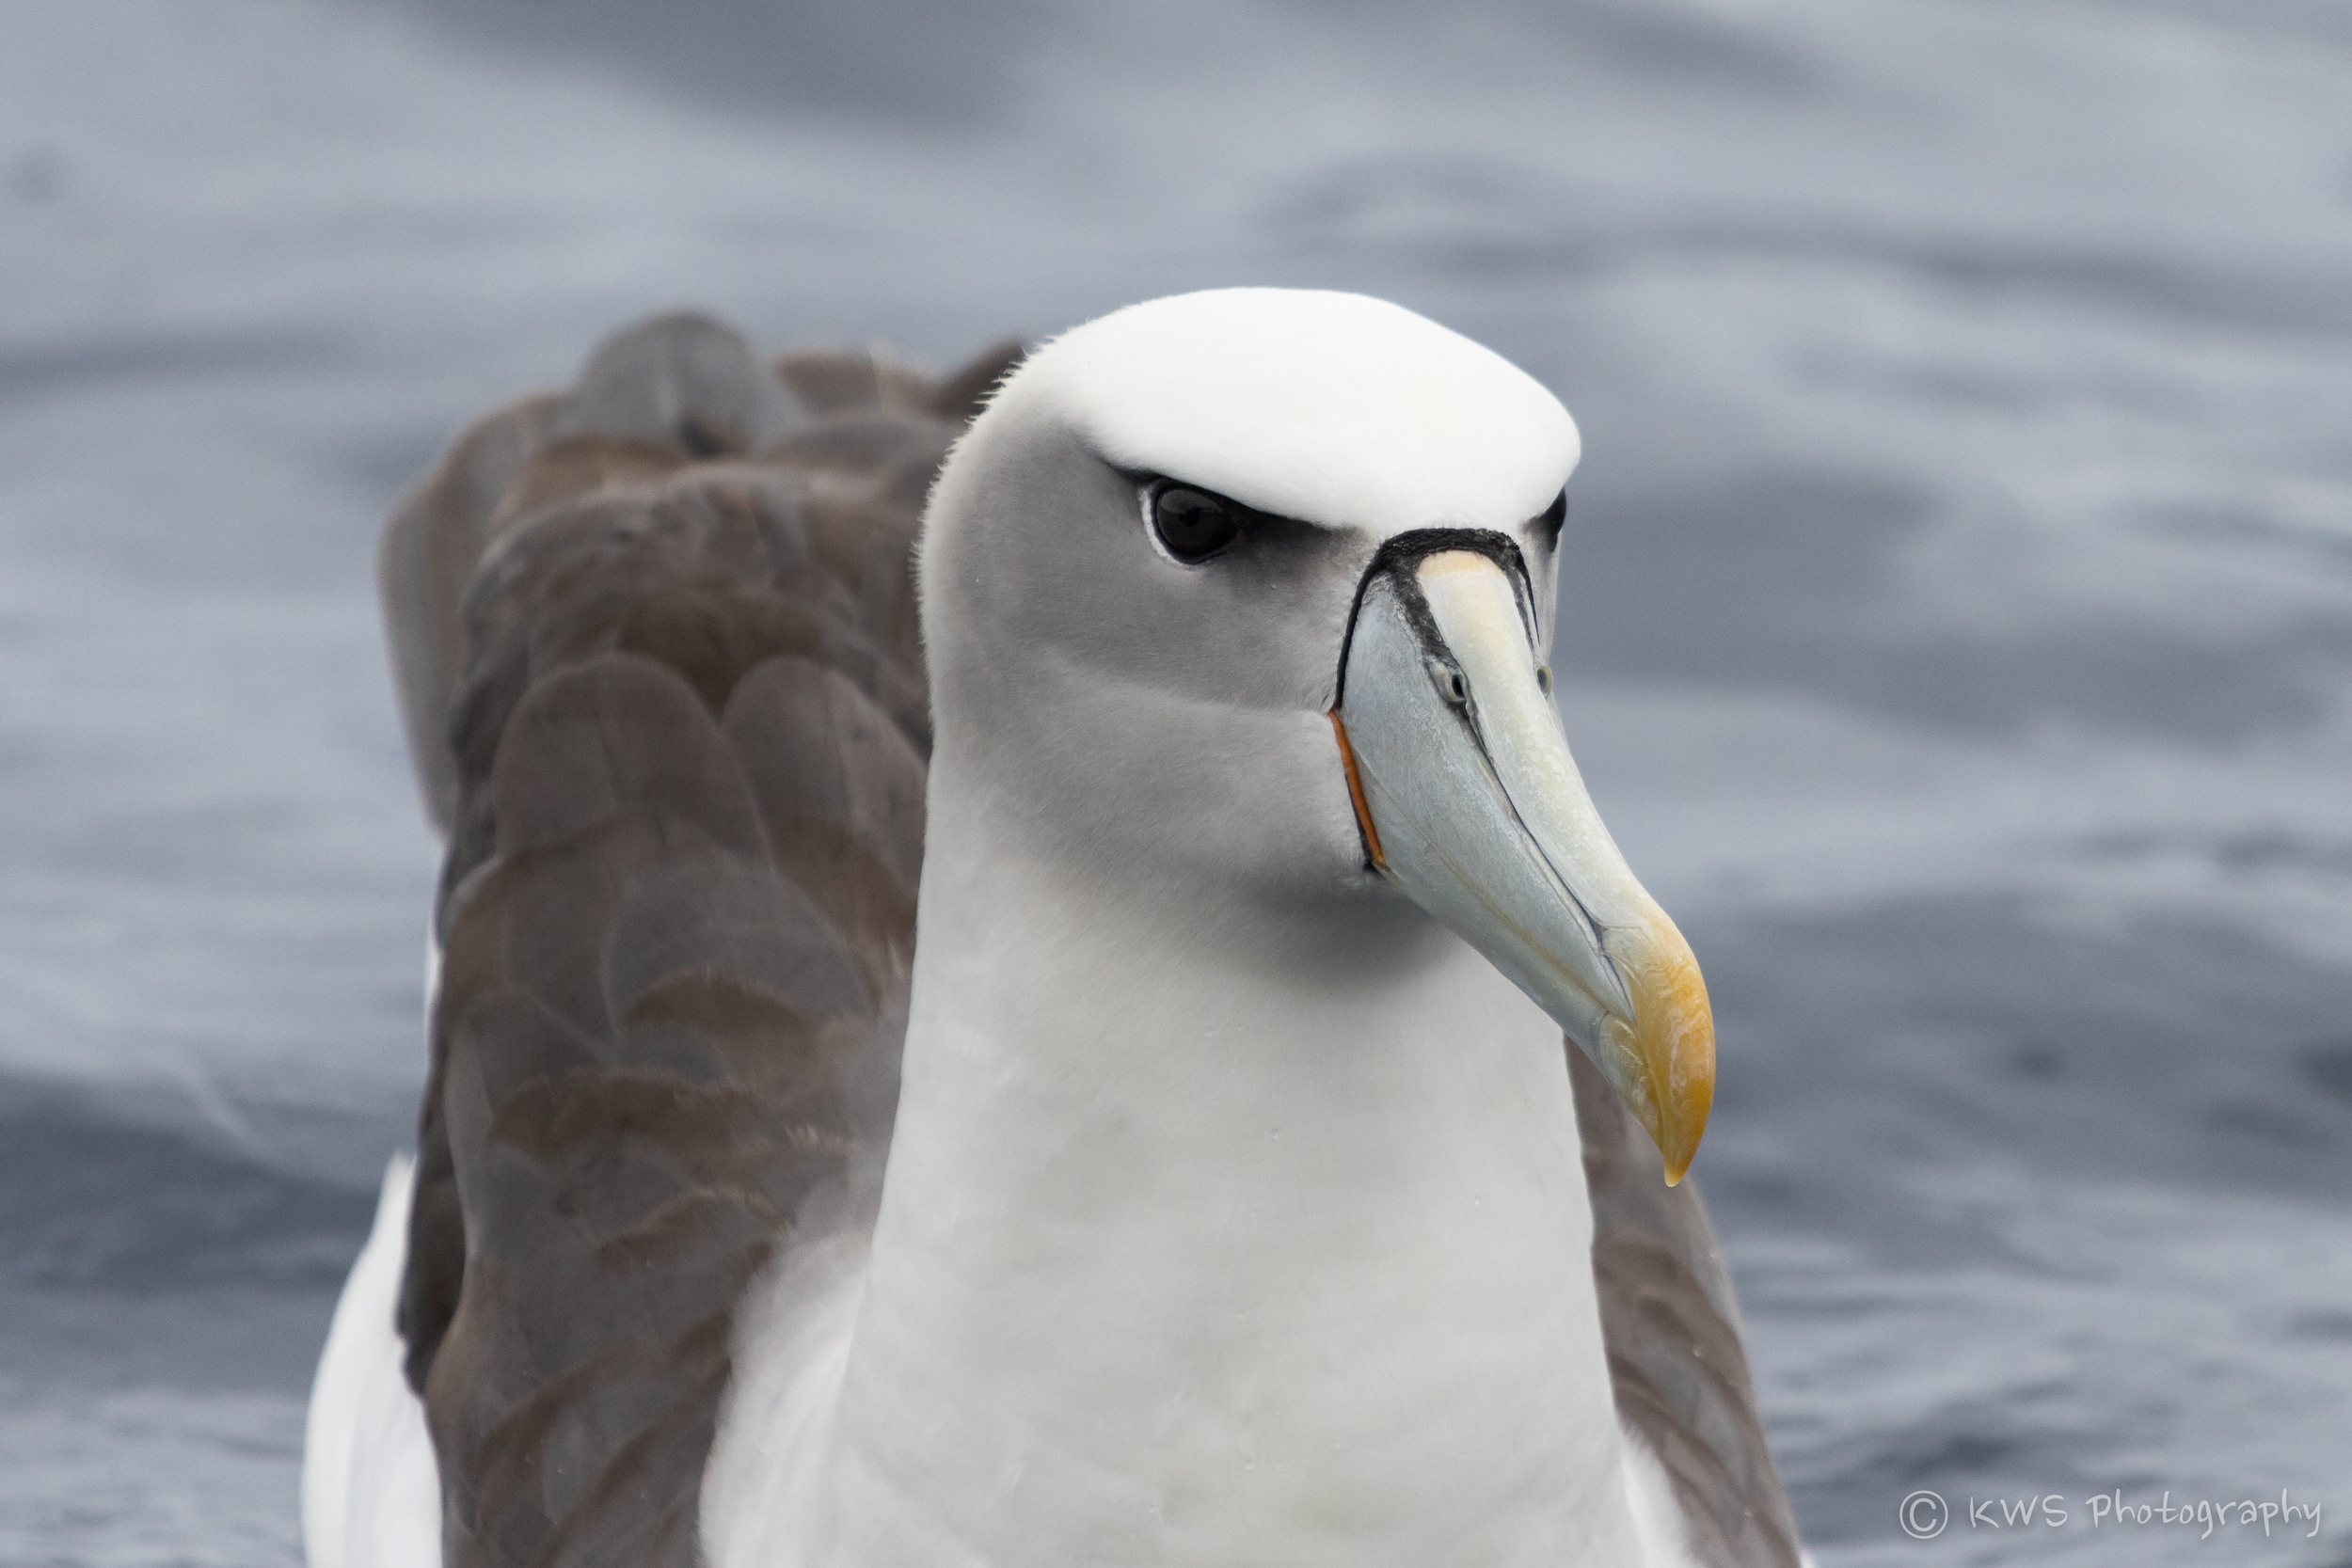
[(1471, 803)]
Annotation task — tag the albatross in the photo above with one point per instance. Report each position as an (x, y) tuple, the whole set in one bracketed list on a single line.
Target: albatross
[(999, 984)]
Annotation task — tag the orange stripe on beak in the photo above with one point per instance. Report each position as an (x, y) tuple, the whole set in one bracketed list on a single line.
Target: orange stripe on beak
[(1356, 794)]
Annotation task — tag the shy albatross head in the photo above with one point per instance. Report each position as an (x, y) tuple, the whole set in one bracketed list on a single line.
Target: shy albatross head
[(1251, 590)]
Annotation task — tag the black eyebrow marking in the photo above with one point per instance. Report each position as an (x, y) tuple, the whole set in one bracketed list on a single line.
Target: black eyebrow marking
[(1553, 519), (1281, 546), (1149, 482)]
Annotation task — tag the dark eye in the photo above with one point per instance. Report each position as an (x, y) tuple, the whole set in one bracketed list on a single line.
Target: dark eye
[(1549, 521), (1193, 523)]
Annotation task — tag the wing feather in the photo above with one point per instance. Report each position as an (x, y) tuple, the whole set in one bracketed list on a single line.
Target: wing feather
[(658, 654), (1672, 1330), (423, 564)]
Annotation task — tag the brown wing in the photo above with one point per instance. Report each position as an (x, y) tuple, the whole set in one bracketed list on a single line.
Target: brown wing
[(681, 767), (423, 564), (1672, 1330)]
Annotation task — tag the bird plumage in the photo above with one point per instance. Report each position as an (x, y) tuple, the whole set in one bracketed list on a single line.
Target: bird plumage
[(657, 645)]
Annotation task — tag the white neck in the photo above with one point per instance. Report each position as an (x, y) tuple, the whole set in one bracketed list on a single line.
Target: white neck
[(1210, 1237)]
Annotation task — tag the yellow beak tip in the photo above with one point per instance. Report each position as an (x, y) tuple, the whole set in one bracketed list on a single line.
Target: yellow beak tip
[(1677, 1157), (1677, 1144)]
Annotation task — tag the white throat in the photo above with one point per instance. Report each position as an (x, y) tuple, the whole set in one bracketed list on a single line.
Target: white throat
[(1210, 1237)]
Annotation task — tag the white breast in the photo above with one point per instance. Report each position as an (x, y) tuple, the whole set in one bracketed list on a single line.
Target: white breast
[(1193, 1274)]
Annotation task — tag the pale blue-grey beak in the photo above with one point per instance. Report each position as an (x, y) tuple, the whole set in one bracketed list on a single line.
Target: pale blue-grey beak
[(1471, 803)]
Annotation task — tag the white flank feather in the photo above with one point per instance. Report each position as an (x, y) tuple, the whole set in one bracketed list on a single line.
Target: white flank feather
[(371, 1497)]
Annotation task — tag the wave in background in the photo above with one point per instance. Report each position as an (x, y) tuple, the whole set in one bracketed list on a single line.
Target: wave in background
[(1957, 625)]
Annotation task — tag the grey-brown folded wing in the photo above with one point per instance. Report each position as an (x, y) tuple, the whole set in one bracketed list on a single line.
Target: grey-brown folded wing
[(1672, 1330), (424, 562), (681, 745)]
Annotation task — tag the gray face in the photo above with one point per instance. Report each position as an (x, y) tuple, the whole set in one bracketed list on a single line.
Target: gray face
[(1130, 707)]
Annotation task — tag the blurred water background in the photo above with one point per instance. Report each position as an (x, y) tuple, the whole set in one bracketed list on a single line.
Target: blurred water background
[(1957, 629)]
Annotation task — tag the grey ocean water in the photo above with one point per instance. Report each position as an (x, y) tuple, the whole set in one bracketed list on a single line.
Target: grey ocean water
[(1958, 628)]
